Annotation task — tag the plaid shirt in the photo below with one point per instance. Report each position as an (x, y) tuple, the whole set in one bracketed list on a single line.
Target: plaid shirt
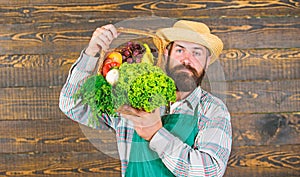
[(212, 146)]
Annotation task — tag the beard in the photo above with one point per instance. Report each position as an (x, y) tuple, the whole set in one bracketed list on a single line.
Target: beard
[(185, 81)]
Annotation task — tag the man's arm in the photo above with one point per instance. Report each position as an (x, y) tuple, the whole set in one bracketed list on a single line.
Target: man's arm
[(208, 156), (212, 146), (80, 71)]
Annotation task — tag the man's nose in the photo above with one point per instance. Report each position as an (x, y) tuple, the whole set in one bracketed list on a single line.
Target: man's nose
[(185, 62), (186, 58)]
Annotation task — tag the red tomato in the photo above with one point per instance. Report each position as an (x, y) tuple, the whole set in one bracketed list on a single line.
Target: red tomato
[(108, 66), (106, 61)]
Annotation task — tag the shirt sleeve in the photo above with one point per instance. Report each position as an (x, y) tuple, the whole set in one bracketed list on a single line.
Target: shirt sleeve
[(210, 152), (84, 67)]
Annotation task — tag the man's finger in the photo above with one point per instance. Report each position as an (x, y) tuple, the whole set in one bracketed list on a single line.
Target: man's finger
[(133, 118), (108, 35), (111, 28), (102, 44), (128, 110)]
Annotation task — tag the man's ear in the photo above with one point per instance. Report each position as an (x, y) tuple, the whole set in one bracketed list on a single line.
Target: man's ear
[(167, 49), (166, 53)]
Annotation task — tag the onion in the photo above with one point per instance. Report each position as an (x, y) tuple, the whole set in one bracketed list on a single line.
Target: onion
[(112, 76)]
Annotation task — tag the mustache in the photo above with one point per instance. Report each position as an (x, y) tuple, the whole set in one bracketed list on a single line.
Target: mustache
[(180, 67)]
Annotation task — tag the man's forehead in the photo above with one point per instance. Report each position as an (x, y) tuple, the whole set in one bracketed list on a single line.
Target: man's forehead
[(189, 45)]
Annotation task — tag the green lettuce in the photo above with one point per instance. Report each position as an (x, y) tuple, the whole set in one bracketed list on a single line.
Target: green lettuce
[(141, 85)]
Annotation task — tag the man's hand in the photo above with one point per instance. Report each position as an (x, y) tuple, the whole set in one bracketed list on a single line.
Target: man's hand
[(101, 39), (145, 124)]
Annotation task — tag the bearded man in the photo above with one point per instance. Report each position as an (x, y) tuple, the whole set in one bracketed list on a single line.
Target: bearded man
[(191, 137)]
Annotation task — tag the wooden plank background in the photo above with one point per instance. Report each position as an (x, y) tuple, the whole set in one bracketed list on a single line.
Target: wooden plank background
[(40, 39)]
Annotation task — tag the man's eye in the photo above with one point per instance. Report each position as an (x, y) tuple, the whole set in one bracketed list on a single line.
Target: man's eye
[(179, 50), (197, 54)]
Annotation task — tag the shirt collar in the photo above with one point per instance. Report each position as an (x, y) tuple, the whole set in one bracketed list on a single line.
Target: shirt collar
[(193, 99)]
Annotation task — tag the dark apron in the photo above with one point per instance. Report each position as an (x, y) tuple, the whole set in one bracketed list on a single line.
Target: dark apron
[(144, 162)]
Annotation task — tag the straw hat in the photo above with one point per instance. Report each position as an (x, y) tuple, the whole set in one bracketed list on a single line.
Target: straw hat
[(195, 32)]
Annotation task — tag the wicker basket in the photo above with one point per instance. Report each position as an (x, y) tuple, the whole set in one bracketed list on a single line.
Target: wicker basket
[(157, 41)]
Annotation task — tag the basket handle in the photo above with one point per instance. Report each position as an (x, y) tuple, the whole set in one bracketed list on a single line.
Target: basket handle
[(158, 42)]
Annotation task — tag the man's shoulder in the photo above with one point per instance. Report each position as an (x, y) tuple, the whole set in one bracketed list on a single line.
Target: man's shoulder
[(212, 102), (209, 97)]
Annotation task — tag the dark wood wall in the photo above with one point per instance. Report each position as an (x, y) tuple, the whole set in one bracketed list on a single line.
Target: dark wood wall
[(40, 39)]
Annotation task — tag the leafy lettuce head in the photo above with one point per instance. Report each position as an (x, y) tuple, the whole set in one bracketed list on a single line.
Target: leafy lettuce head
[(143, 86)]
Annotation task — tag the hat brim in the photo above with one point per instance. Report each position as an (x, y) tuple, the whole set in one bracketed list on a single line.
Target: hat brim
[(210, 41)]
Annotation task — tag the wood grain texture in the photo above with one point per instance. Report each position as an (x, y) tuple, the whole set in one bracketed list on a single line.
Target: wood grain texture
[(93, 163), (35, 70), (45, 136), (29, 70), (264, 161), (59, 134), (263, 96), (41, 39), (58, 38), (110, 10), (244, 161), (265, 129), (29, 103), (241, 97), (262, 64)]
